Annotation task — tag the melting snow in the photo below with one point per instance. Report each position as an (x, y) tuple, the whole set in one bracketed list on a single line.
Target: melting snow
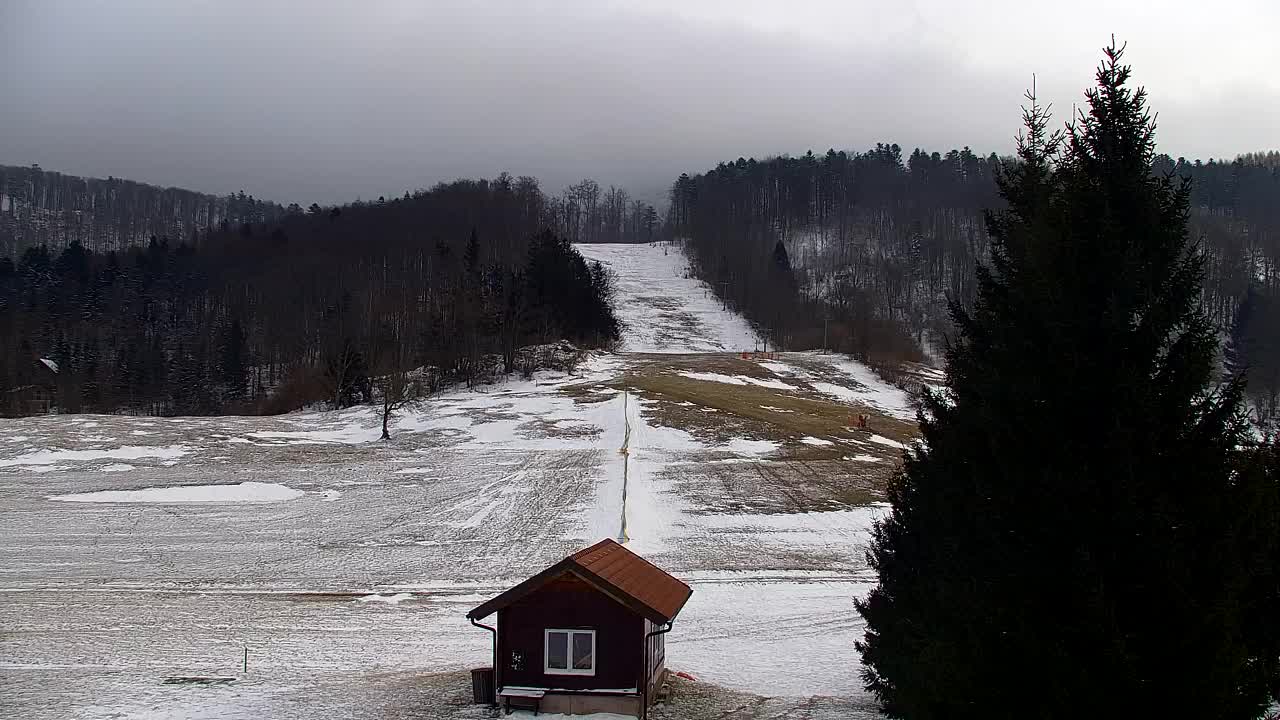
[(560, 716), (715, 377), (490, 492), (871, 390), (663, 308), (388, 599), (245, 492), (49, 457), (781, 368), (743, 446), (738, 380), (886, 441), (354, 433)]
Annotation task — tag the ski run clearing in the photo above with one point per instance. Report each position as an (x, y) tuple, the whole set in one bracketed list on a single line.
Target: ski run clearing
[(144, 554)]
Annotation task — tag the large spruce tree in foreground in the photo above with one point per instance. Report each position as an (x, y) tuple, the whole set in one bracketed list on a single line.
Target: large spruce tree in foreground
[(1068, 542)]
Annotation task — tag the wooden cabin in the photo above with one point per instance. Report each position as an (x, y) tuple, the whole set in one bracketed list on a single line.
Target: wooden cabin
[(586, 634)]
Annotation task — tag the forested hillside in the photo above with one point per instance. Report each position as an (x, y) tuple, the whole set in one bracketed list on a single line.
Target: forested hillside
[(861, 251), (270, 316), (39, 207)]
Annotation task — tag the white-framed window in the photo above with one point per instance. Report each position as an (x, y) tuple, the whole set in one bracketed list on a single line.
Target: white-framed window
[(569, 652)]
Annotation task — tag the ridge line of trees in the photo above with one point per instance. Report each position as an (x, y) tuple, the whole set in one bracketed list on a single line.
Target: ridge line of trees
[(304, 309), (862, 251)]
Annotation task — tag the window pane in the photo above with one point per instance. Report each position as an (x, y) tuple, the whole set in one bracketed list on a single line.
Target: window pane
[(558, 650), (583, 652)]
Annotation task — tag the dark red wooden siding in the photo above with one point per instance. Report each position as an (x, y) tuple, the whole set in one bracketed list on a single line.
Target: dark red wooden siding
[(657, 650), (569, 603)]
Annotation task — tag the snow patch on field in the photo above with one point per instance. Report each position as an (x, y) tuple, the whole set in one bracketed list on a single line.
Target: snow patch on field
[(799, 528), (738, 380), (745, 446), (778, 368), (453, 420), (715, 377), (353, 433), (387, 599), (838, 392), (817, 442), (131, 452), (871, 389), (791, 624), (245, 492), (881, 440), (560, 716), (775, 384)]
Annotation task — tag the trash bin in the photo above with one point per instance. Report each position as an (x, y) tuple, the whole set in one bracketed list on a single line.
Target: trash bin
[(482, 691)]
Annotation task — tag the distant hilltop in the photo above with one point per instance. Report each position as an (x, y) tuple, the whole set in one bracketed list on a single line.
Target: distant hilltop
[(42, 207)]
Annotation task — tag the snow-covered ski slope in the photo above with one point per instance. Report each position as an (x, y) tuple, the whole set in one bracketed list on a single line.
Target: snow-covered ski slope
[(662, 307), (346, 565)]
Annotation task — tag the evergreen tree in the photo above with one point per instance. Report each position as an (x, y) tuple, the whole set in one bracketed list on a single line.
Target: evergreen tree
[(471, 258), (1064, 542), (1257, 502), (782, 264), (782, 294)]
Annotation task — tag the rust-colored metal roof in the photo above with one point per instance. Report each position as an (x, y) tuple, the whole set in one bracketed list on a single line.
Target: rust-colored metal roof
[(635, 576), (615, 571)]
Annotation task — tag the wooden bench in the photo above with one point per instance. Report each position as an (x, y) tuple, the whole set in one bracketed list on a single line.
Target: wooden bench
[(524, 697)]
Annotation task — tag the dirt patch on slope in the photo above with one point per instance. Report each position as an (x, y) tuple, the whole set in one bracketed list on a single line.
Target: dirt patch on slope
[(719, 409)]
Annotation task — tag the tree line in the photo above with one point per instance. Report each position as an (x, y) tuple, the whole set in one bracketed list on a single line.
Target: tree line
[(870, 244), (270, 316), (40, 207), (862, 251)]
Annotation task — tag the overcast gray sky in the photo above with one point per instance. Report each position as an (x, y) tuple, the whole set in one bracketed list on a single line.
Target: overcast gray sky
[(326, 101)]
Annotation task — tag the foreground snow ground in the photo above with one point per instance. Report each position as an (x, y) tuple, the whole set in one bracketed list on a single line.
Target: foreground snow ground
[(142, 557)]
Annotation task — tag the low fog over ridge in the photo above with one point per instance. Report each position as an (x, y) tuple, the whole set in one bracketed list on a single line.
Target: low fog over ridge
[(328, 101)]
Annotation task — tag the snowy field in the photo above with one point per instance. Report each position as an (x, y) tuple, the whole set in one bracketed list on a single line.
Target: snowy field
[(142, 556)]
